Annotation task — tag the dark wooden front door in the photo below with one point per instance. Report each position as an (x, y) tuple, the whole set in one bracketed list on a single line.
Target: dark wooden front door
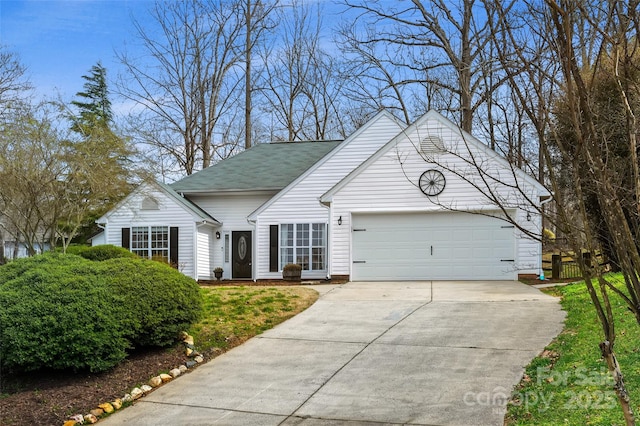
[(241, 254)]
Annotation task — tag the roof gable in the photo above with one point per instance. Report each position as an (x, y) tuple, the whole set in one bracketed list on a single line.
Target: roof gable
[(263, 167), (380, 116), (196, 212), (415, 129)]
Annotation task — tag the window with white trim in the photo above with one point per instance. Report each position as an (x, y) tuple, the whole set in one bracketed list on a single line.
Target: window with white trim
[(304, 244), (150, 242)]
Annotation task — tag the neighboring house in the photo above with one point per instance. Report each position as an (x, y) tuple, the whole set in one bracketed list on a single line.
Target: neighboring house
[(388, 203), (13, 250)]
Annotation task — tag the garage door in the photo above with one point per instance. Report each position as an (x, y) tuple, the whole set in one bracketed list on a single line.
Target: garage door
[(431, 246)]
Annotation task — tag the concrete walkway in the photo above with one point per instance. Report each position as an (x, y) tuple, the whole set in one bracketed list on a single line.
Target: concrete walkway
[(429, 353)]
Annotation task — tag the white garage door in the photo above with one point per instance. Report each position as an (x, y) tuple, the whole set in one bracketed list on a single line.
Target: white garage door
[(432, 246)]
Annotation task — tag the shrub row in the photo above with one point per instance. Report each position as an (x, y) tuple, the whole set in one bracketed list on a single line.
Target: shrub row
[(62, 311)]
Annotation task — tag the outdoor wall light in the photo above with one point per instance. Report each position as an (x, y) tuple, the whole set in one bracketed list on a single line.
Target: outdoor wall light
[(529, 216), (340, 220), (217, 235)]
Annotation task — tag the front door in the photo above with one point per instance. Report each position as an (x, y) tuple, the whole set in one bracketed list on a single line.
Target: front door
[(241, 254)]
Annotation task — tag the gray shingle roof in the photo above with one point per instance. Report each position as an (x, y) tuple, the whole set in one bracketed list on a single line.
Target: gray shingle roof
[(195, 209), (268, 166)]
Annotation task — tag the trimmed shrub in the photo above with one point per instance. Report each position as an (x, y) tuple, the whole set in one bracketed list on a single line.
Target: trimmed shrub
[(156, 301), (62, 311), (57, 313), (106, 252), (75, 249)]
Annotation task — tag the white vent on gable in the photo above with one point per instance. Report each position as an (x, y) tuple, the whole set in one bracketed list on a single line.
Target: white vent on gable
[(430, 146), (149, 203)]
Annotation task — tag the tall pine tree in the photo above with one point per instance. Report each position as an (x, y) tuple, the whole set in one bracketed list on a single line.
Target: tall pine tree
[(97, 160), (93, 104)]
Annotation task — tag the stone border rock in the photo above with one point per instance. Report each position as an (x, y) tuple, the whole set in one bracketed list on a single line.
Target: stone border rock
[(107, 408)]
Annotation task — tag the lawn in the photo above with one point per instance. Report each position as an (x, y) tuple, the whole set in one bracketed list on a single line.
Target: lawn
[(239, 313), (232, 315), (569, 383)]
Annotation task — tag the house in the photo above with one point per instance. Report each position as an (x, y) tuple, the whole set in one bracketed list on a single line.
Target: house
[(390, 202), (17, 250)]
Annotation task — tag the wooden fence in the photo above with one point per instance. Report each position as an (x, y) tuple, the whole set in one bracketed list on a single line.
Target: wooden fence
[(563, 266)]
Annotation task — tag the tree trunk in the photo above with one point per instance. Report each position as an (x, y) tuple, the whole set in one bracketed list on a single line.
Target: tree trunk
[(247, 79), (3, 260), (621, 391), (464, 70)]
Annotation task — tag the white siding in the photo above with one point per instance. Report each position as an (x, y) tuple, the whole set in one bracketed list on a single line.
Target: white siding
[(232, 211), (299, 203), (98, 239), (389, 183), (205, 241), (169, 213)]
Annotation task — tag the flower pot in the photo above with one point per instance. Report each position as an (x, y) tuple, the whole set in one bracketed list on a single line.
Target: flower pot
[(292, 275)]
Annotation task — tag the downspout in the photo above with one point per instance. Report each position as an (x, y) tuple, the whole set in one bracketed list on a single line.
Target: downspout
[(195, 250), (329, 233)]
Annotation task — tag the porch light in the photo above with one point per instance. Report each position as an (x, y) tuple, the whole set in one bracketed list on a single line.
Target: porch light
[(217, 235), (340, 220), (529, 216)]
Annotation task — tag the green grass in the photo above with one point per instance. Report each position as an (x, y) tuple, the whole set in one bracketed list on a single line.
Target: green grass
[(235, 314), (570, 383)]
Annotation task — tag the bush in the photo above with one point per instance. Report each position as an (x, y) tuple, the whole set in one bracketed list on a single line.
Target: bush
[(157, 300), (75, 249), (106, 252), (66, 312), (292, 267), (57, 313)]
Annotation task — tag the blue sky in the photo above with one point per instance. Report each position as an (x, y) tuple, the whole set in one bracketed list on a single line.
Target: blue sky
[(60, 40)]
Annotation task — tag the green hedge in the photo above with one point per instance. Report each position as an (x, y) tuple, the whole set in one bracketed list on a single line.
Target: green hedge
[(106, 252), (66, 312), (157, 301)]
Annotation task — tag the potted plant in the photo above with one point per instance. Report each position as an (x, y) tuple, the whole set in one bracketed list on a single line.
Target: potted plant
[(292, 272), (218, 273)]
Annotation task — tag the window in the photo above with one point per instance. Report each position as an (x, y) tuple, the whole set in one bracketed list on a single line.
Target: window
[(227, 248), (150, 241), (304, 244), (318, 246)]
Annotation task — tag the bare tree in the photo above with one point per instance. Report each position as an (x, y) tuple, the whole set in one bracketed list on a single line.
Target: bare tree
[(30, 171), (256, 15), (13, 89), (288, 65), (302, 85), (436, 43), (14, 86), (373, 79), (557, 75), (193, 78)]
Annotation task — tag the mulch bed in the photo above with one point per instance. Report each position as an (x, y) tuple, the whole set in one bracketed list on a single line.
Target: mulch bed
[(49, 398)]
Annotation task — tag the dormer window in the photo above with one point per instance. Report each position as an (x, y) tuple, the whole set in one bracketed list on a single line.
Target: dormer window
[(149, 203), (430, 146)]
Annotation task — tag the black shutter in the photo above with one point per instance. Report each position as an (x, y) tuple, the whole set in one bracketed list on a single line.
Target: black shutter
[(273, 248), (126, 238), (173, 246)]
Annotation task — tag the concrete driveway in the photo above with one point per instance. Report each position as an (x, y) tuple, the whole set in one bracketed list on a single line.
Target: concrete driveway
[(430, 353)]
